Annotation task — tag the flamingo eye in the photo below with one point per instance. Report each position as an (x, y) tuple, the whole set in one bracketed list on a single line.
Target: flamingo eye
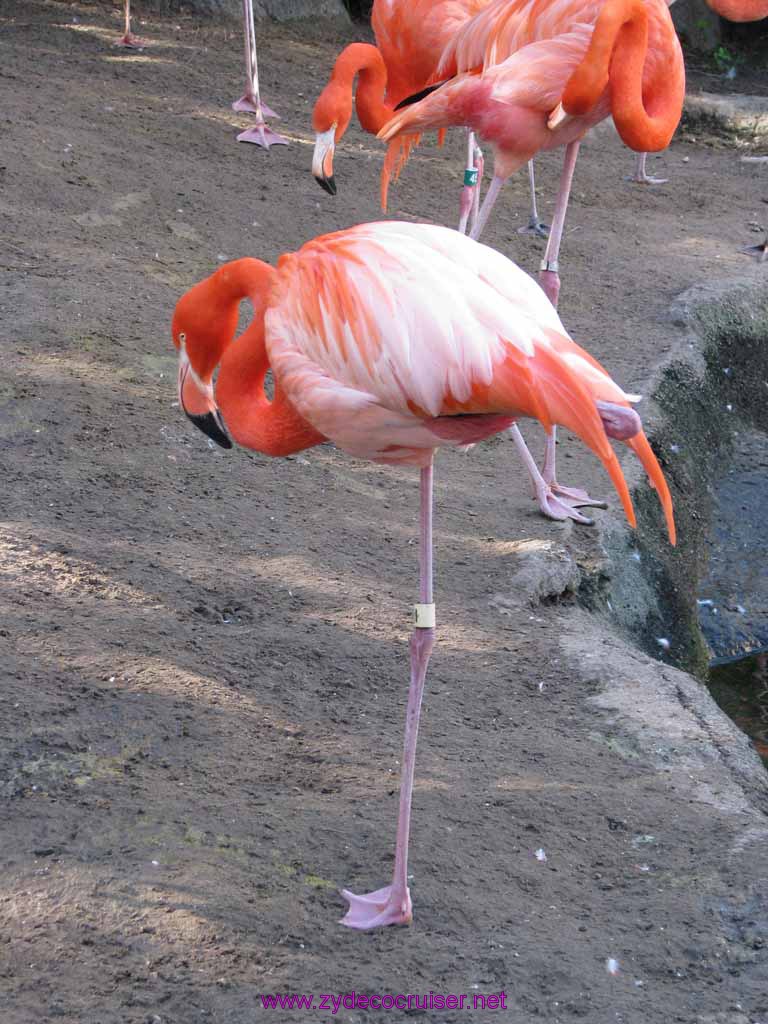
[(182, 337)]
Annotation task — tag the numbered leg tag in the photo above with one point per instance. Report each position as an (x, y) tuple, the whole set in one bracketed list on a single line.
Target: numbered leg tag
[(470, 176), (424, 616)]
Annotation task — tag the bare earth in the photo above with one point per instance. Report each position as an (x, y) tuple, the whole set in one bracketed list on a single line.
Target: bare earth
[(204, 655)]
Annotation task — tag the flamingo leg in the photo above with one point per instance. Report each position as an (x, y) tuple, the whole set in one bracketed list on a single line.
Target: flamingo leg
[(469, 204), (480, 167), (485, 210), (534, 225), (549, 279), (129, 40), (549, 502), (250, 102), (392, 904), (640, 176)]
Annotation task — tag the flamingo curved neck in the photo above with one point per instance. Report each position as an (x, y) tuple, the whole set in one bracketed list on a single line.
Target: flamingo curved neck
[(645, 119), (364, 60), (273, 426)]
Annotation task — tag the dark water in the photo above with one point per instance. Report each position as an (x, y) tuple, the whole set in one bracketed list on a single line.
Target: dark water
[(740, 688)]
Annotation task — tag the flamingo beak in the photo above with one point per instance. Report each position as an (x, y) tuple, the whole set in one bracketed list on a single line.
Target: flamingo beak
[(322, 160), (197, 401)]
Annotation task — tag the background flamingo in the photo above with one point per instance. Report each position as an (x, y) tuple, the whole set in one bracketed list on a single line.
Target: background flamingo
[(392, 340), (740, 10), (250, 102), (529, 77), (128, 39), (411, 36)]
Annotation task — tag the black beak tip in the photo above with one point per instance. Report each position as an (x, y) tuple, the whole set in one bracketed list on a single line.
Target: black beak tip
[(327, 184), (212, 426)]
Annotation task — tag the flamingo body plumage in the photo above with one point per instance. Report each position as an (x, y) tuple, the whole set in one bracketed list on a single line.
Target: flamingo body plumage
[(393, 340)]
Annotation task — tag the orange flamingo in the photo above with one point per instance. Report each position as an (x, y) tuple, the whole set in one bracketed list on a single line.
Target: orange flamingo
[(532, 75), (740, 10), (393, 340), (537, 74), (411, 36), (731, 10), (250, 102)]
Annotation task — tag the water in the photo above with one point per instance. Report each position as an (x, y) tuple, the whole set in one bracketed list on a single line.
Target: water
[(740, 687)]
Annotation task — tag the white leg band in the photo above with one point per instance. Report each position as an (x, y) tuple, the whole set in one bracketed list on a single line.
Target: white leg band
[(424, 616)]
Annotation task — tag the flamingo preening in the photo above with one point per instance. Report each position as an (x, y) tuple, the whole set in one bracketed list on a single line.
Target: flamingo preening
[(530, 76), (250, 102), (731, 10), (411, 36), (393, 340)]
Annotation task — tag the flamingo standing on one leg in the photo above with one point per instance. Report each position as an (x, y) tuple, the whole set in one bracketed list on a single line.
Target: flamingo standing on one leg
[(128, 39), (411, 36), (250, 102), (530, 77), (393, 340)]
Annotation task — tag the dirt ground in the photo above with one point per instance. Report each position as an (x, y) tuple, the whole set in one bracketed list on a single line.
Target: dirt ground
[(204, 655)]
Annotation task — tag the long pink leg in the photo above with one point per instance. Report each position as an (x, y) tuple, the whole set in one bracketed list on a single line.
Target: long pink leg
[(473, 179), (534, 225), (549, 279), (129, 40), (485, 210), (640, 176), (549, 503), (392, 904), (250, 102)]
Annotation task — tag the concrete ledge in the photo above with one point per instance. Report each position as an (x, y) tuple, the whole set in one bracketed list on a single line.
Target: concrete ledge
[(733, 114)]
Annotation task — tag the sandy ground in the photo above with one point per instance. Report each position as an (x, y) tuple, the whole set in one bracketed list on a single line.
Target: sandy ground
[(204, 653)]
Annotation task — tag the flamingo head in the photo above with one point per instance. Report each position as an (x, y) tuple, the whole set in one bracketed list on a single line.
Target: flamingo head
[(201, 331), (330, 119)]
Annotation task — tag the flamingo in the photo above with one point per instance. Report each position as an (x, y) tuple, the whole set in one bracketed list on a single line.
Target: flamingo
[(411, 36), (532, 76), (250, 102), (128, 39), (740, 10), (393, 340), (731, 10)]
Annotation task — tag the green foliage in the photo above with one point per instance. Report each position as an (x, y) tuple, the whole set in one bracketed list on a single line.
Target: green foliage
[(723, 59)]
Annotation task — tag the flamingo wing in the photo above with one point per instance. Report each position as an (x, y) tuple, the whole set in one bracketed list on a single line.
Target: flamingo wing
[(412, 322)]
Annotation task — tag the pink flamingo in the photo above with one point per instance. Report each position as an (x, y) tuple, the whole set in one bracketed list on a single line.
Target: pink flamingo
[(393, 340), (128, 39), (250, 102), (529, 76)]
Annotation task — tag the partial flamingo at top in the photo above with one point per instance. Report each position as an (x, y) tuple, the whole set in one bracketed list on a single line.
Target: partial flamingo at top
[(411, 36), (532, 75), (740, 10)]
